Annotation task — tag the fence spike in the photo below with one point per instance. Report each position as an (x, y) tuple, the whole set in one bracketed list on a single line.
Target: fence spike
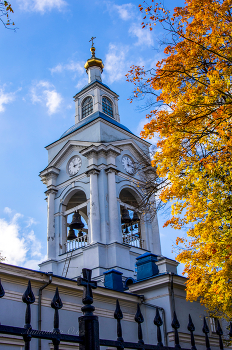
[(139, 319), (158, 322), (28, 298), (56, 304), (205, 330), (2, 292), (219, 333), (118, 315), (191, 329), (176, 325)]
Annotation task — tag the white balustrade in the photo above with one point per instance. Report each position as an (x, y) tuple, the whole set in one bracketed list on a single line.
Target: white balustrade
[(133, 240), (76, 243)]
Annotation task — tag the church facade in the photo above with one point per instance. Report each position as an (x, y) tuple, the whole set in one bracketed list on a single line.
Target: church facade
[(93, 170), (94, 190)]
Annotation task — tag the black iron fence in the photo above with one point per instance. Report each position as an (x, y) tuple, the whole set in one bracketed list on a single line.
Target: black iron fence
[(88, 338)]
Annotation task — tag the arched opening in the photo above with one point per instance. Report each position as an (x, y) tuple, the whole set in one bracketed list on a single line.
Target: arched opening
[(77, 198), (130, 218), (107, 107), (76, 218), (87, 106)]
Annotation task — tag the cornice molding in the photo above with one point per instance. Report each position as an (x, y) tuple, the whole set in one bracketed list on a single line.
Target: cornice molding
[(93, 170), (156, 281), (111, 169), (98, 150), (16, 275), (92, 87), (51, 190), (49, 173)]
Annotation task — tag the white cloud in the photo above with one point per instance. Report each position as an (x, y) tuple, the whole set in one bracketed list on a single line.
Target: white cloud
[(46, 94), (116, 64), (30, 221), (125, 11), (42, 5), (53, 101), (71, 66), (5, 98), (17, 245), (143, 35), (7, 210)]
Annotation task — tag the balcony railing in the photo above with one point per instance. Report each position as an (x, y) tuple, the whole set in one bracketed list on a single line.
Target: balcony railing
[(76, 243), (133, 239)]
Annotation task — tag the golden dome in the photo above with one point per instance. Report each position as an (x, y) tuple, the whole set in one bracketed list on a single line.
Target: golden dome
[(93, 61)]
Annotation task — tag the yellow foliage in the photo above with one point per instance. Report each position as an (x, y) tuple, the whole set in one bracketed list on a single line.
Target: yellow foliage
[(193, 81)]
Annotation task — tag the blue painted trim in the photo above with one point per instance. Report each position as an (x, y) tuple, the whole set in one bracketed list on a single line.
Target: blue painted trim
[(114, 271), (91, 118), (146, 255)]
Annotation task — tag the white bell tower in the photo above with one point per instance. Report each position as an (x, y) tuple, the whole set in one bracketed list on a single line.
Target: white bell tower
[(92, 171)]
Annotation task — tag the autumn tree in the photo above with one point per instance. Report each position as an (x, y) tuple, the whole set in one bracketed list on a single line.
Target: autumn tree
[(5, 10), (191, 115)]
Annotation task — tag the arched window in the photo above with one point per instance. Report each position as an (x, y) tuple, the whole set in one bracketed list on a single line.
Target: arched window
[(107, 106), (87, 106)]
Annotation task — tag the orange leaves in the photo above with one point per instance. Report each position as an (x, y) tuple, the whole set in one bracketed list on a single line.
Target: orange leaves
[(5, 9), (192, 118)]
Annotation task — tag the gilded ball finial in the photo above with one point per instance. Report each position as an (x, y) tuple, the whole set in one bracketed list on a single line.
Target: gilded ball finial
[(92, 49)]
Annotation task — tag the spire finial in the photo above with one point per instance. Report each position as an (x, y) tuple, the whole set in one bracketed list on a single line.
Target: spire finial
[(92, 49)]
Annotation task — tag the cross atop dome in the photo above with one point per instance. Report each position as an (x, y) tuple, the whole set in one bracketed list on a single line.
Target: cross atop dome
[(94, 66)]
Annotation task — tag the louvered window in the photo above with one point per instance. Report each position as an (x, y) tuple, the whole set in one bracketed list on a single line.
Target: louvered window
[(87, 106), (107, 107)]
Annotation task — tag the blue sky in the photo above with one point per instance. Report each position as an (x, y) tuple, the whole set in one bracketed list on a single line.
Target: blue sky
[(41, 70)]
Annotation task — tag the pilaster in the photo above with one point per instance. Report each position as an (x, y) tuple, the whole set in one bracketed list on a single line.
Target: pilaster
[(114, 219)]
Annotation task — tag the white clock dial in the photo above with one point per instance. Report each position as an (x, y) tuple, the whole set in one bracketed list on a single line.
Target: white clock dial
[(74, 165), (128, 164)]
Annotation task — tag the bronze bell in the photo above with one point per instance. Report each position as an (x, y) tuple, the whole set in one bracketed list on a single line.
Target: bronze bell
[(135, 216), (71, 235), (125, 219), (76, 223)]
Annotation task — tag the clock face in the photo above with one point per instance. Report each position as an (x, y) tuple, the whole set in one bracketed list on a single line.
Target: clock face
[(74, 165), (128, 164)]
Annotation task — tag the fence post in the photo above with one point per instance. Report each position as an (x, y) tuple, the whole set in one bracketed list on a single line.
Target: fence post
[(88, 323)]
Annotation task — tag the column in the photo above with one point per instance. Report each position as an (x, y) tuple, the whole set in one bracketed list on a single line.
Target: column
[(51, 247), (95, 234), (115, 229), (143, 231), (156, 236)]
